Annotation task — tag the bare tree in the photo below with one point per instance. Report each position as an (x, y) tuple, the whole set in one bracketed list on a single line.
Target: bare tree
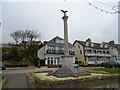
[(24, 38), (31, 35), (25, 41), (16, 36)]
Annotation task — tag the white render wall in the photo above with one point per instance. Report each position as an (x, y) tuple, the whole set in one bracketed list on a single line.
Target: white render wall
[(41, 53)]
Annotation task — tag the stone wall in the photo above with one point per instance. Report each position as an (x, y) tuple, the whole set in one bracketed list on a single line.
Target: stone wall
[(104, 82)]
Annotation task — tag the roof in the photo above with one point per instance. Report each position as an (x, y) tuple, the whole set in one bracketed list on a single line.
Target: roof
[(117, 46), (52, 41), (96, 45)]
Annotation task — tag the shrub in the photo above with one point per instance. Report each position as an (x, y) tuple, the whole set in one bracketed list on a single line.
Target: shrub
[(18, 65), (2, 77), (42, 62)]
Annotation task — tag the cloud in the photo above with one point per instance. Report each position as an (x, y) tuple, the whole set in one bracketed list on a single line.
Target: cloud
[(84, 21)]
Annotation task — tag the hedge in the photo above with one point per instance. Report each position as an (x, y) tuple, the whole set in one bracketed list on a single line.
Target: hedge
[(42, 62), (18, 65)]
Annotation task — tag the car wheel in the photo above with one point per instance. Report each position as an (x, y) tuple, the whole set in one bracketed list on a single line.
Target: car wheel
[(3, 68), (105, 66)]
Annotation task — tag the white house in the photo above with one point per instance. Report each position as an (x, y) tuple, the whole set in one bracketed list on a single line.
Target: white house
[(52, 51)]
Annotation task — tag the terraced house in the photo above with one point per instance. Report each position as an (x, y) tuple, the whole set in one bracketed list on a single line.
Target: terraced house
[(115, 51), (89, 53), (52, 51)]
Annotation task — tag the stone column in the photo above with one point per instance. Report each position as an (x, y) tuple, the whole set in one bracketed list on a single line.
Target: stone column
[(65, 17), (67, 60), (67, 69)]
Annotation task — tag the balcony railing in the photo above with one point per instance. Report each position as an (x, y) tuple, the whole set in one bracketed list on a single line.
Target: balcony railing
[(58, 52), (97, 54)]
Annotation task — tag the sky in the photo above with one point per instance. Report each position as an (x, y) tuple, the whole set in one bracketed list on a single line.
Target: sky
[(84, 21)]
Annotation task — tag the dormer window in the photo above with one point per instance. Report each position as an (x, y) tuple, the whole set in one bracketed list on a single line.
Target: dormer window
[(101, 45), (92, 45), (87, 43), (106, 46)]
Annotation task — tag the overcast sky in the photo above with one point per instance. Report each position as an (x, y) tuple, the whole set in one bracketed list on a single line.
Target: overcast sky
[(45, 17)]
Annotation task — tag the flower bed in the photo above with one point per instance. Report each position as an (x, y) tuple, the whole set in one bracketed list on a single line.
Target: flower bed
[(44, 77), (96, 79)]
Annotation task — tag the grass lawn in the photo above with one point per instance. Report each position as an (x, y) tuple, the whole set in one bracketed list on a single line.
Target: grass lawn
[(110, 70)]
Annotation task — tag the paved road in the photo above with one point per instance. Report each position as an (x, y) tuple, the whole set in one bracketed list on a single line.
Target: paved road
[(16, 81), (41, 69), (7, 71), (90, 68)]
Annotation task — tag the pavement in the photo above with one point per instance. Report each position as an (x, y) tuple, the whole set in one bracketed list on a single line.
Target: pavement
[(16, 81)]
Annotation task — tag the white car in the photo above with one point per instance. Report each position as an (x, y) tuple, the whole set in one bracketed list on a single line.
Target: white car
[(75, 65)]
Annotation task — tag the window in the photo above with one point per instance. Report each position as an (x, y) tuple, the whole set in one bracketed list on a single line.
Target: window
[(106, 46), (101, 45), (107, 52), (80, 52), (54, 61), (104, 52), (60, 47), (48, 60), (62, 41), (76, 58), (87, 43), (59, 41), (58, 60), (51, 60), (78, 46), (94, 51), (51, 47), (92, 45)]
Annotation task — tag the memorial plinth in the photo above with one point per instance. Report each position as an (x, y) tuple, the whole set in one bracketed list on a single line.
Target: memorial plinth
[(67, 69)]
